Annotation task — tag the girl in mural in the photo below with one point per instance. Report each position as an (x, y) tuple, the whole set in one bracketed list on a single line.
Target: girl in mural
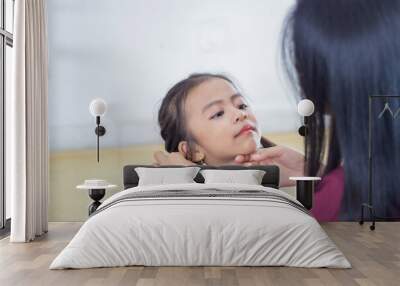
[(205, 120)]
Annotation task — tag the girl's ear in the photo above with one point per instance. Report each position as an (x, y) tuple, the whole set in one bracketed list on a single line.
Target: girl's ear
[(183, 148)]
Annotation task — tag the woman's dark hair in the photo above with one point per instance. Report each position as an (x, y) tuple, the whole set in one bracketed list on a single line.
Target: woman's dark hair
[(337, 53), (171, 115)]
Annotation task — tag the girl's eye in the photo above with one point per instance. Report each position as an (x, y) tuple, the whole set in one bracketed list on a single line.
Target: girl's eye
[(218, 114), (243, 106)]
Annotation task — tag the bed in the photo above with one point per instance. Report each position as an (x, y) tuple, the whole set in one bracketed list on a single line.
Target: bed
[(201, 224)]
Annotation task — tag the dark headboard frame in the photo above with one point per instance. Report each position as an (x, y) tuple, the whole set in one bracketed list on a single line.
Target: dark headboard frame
[(270, 179)]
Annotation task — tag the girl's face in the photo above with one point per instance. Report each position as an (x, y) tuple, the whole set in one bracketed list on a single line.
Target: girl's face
[(221, 122)]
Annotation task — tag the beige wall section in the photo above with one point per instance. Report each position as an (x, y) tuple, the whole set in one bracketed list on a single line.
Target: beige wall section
[(71, 168)]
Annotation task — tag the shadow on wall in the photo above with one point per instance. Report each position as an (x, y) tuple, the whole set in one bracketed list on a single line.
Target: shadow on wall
[(70, 168)]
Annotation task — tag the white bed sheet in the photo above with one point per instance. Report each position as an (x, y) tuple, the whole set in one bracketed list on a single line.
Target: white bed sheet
[(200, 231)]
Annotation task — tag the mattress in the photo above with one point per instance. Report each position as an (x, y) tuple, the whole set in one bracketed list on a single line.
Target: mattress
[(201, 225)]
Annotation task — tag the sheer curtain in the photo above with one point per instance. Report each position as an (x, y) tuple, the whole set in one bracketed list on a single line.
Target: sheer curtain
[(27, 132)]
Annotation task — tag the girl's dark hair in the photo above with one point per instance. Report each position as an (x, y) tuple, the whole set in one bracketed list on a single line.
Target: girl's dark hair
[(337, 53), (171, 115)]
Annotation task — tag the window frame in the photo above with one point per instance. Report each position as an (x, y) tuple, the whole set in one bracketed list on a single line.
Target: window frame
[(6, 39)]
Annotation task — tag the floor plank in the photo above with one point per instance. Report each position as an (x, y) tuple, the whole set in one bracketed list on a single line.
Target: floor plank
[(374, 255)]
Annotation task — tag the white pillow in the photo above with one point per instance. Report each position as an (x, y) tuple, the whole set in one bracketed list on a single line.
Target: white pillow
[(248, 177), (162, 176)]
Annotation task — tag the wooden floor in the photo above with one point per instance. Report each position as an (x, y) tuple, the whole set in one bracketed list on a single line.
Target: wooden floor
[(374, 255)]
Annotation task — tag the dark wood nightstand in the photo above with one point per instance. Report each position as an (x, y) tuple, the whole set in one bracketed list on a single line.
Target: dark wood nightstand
[(96, 190), (305, 187)]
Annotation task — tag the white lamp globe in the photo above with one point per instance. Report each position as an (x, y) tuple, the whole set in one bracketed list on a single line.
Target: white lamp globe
[(305, 107), (98, 107)]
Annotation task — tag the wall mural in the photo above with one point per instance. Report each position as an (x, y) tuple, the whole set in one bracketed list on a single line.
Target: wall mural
[(130, 57)]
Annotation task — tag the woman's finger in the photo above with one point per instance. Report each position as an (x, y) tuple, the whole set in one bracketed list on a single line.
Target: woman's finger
[(239, 158), (251, 163), (268, 162), (242, 158), (266, 153)]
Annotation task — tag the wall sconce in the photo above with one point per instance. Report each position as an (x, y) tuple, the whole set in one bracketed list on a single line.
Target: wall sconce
[(305, 108), (97, 108)]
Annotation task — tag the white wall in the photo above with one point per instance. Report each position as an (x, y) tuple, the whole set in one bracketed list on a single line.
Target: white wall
[(130, 52)]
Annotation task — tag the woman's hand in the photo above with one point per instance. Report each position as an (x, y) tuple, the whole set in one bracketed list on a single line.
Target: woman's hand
[(173, 158), (289, 161)]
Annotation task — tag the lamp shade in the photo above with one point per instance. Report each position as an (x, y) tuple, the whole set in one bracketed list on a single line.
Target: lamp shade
[(305, 107), (97, 107)]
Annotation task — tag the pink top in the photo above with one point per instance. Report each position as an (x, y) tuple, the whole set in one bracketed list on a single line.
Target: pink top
[(328, 197)]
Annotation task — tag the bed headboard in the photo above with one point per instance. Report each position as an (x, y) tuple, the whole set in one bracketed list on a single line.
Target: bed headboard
[(270, 179)]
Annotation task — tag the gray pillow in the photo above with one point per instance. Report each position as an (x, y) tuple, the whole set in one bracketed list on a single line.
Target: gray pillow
[(162, 176), (248, 177)]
